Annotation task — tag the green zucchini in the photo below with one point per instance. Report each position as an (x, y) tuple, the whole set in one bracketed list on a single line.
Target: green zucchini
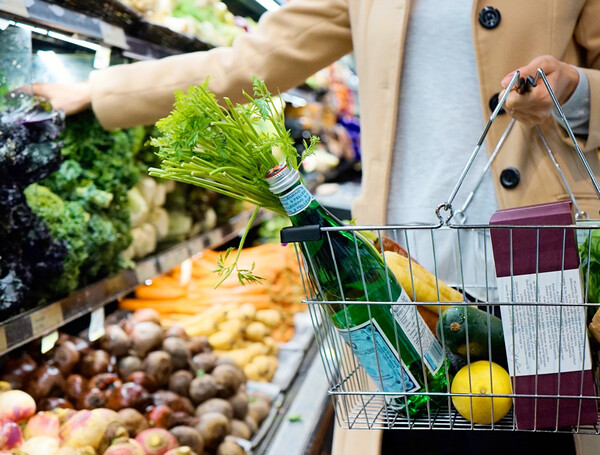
[(456, 321)]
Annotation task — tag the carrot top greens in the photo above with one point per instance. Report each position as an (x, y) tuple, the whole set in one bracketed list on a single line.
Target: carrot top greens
[(227, 149)]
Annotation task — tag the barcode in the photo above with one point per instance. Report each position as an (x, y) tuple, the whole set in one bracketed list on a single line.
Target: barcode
[(435, 355)]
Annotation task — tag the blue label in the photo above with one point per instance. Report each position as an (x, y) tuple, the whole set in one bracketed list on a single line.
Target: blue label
[(296, 200), (380, 361)]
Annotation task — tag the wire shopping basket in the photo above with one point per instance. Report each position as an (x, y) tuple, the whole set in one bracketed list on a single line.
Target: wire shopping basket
[(512, 296)]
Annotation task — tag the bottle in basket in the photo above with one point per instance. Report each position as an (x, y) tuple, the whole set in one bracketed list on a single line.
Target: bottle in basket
[(386, 339)]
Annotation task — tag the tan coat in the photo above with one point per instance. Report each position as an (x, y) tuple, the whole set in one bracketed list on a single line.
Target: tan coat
[(306, 35)]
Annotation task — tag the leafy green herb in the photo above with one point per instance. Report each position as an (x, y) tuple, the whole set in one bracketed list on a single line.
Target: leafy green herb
[(227, 149)]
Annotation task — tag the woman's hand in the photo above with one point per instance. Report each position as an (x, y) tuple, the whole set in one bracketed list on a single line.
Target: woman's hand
[(535, 106), (71, 98)]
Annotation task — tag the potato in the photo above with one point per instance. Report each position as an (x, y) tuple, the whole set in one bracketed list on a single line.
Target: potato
[(222, 340), (256, 331), (271, 318)]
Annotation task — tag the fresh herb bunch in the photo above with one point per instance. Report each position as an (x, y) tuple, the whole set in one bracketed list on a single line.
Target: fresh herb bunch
[(227, 149)]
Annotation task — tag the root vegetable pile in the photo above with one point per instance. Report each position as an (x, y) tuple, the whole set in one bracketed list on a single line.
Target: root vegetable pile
[(139, 390)]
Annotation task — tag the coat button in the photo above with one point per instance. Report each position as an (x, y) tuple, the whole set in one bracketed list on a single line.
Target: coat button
[(509, 178), (489, 17), (494, 102)]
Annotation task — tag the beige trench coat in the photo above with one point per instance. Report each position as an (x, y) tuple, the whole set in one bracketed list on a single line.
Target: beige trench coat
[(306, 35)]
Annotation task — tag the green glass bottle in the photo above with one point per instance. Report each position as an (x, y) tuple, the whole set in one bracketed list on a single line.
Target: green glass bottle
[(343, 266)]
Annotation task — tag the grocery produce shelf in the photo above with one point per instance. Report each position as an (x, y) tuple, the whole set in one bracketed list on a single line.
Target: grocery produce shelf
[(109, 23), (39, 322)]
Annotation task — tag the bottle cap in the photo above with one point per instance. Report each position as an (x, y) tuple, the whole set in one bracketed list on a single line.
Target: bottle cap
[(281, 177)]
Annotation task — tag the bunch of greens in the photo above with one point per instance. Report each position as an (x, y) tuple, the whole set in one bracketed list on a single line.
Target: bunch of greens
[(29, 257), (226, 149), (589, 254), (98, 170)]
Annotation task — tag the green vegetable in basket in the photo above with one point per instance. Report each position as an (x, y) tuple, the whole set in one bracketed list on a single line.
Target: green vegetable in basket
[(227, 149), (589, 254)]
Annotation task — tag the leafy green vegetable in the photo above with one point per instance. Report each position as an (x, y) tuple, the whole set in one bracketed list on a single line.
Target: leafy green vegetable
[(589, 254), (29, 257), (227, 149), (98, 172), (67, 222)]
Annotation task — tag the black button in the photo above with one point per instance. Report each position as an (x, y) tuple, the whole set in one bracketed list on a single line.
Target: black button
[(489, 17), (494, 102), (509, 178)]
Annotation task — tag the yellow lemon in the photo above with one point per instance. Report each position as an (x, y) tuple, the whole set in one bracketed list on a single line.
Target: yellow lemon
[(481, 382)]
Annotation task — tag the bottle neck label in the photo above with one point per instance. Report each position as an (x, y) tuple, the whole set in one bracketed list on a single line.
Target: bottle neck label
[(296, 200)]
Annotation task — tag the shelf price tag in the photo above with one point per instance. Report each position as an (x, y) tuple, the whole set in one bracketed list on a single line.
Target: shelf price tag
[(96, 329), (102, 58), (185, 272), (113, 35), (49, 341), (14, 7), (45, 319), (3, 343)]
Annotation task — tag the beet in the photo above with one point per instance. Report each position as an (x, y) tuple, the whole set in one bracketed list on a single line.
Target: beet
[(156, 441)]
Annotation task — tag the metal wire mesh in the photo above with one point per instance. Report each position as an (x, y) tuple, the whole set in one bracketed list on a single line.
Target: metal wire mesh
[(462, 257)]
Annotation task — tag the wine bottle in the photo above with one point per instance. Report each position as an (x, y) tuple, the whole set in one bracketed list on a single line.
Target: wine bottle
[(342, 266)]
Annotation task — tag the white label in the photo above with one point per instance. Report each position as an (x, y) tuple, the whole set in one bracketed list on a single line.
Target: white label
[(96, 329), (113, 35), (534, 335), (14, 7), (419, 335), (102, 58), (185, 272), (378, 357), (49, 341), (296, 200)]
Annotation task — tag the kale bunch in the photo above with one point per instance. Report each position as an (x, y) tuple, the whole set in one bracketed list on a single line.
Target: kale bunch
[(98, 171), (29, 256)]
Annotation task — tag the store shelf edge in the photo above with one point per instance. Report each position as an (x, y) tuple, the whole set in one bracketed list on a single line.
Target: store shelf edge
[(38, 322), (84, 26)]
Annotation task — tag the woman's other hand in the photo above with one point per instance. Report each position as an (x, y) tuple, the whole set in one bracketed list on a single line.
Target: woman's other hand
[(535, 106), (71, 98)]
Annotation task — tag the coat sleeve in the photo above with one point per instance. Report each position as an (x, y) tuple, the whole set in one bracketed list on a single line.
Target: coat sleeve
[(288, 45), (587, 35)]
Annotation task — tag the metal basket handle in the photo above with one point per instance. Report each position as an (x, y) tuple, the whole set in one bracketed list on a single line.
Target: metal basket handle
[(518, 81)]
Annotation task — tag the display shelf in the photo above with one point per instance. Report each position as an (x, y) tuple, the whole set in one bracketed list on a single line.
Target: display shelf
[(108, 23), (38, 322)]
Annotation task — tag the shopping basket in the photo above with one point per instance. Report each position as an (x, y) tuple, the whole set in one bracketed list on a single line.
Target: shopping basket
[(553, 388)]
